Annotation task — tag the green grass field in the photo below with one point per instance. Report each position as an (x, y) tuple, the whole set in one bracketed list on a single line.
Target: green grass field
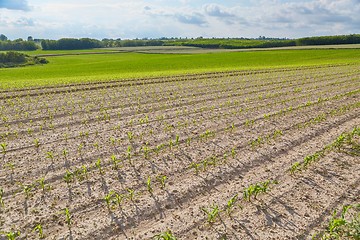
[(94, 67)]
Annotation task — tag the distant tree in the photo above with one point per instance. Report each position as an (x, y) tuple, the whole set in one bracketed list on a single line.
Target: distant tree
[(30, 38), (3, 37)]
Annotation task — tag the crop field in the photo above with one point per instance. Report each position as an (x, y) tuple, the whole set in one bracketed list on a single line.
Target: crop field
[(246, 154), (79, 67)]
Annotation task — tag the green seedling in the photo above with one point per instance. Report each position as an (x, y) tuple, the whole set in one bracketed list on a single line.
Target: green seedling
[(146, 150), (130, 136), (10, 166), (128, 152), (1, 197), (84, 171), (195, 166), (119, 198), (188, 141), (39, 229), (115, 162), (167, 235), (3, 148), (11, 235), (131, 195), (43, 186), (148, 185), (231, 203), (68, 177), (254, 190), (50, 155), (98, 166), (177, 140), (67, 217), (108, 199), (27, 190), (65, 153), (36, 143), (171, 144), (295, 167), (161, 179), (212, 213), (233, 153)]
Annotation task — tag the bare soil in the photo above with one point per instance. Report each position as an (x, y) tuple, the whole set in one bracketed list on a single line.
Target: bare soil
[(239, 128)]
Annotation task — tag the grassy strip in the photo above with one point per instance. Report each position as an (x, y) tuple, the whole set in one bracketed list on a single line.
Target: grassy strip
[(85, 68)]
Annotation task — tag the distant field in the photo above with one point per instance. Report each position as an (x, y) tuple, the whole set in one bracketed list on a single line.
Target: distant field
[(93, 67)]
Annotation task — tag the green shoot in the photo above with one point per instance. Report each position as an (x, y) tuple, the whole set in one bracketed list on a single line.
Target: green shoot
[(36, 143), (161, 179), (98, 166), (11, 235), (50, 155), (177, 140), (1, 198), (115, 162), (27, 190), (108, 197), (167, 235), (148, 185), (39, 229), (3, 147), (212, 213), (131, 194), (295, 167), (195, 166), (68, 177), (67, 217), (231, 203)]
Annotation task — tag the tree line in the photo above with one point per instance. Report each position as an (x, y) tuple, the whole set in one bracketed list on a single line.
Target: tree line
[(16, 45), (88, 43)]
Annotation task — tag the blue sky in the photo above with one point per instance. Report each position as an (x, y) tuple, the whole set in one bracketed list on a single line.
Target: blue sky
[(53, 19)]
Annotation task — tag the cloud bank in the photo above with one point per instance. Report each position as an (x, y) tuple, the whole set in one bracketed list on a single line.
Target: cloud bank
[(178, 18)]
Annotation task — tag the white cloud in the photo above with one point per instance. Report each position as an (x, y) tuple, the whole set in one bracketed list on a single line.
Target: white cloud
[(178, 18)]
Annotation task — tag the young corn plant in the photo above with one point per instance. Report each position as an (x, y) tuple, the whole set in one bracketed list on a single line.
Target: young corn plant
[(42, 185), (50, 155), (67, 217), (294, 168), (115, 162), (231, 204), (162, 179), (68, 177), (12, 235), (131, 194), (98, 166), (27, 190), (108, 199), (38, 228), (254, 190), (148, 185), (196, 167), (36, 143), (167, 235), (119, 198), (128, 153), (3, 148), (212, 213), (1, 198)]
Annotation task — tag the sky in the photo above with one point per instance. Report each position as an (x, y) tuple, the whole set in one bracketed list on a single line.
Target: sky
[(54, 19)]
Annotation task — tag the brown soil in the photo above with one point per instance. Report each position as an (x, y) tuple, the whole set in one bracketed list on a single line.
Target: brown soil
[(241, 128)]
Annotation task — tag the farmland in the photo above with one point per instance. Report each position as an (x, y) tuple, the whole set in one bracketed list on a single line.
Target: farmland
[(261, 145), (70, 69)]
